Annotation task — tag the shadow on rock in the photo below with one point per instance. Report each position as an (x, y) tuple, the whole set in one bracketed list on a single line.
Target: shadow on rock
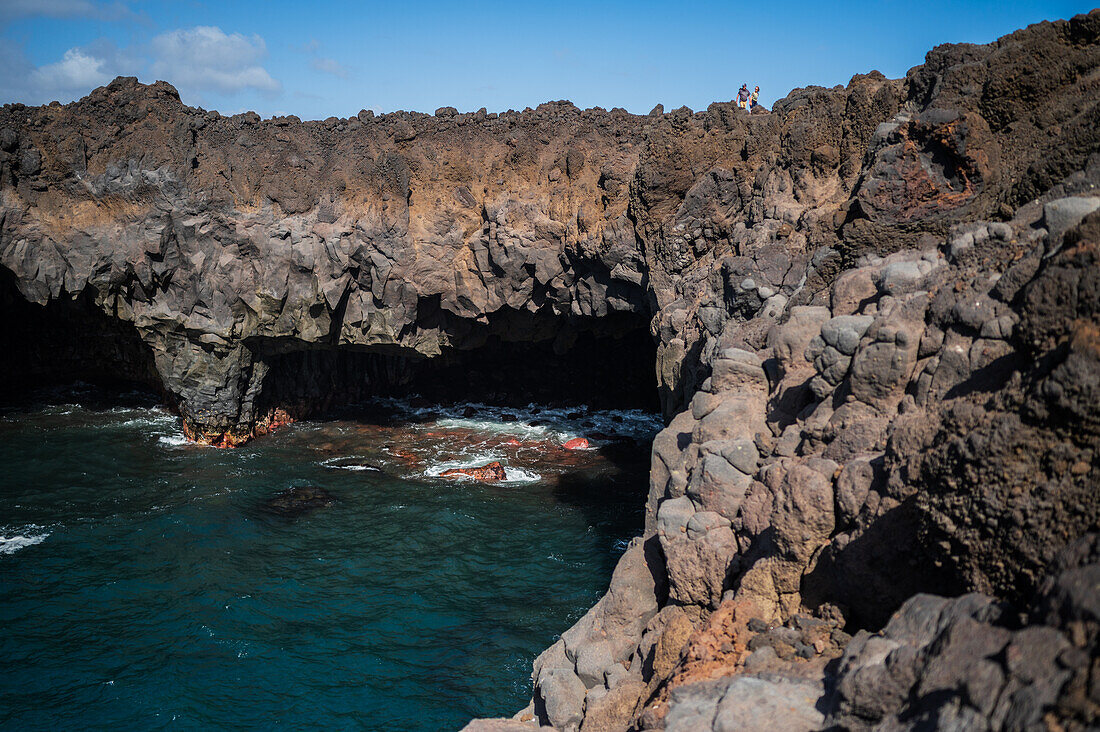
[(872, 574)]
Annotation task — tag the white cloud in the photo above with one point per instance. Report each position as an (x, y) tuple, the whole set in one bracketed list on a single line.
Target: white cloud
[(205, 58), (76, 72), (330, 66), (198, 61)]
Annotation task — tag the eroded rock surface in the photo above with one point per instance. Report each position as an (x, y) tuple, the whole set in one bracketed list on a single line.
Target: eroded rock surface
[(489, 472), (876, 312), (231, 242), (887, 398)]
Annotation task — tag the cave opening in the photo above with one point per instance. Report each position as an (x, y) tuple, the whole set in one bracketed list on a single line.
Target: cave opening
[(604, 365), (68, 340)]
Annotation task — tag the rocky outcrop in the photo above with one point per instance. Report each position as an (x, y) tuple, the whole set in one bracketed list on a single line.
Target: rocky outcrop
[(231, 244), (882, 342), (875, 315), (489, 472), (961, 663)]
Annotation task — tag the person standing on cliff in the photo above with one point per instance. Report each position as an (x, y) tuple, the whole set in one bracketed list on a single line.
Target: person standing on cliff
[(743, 96), (755, 98)]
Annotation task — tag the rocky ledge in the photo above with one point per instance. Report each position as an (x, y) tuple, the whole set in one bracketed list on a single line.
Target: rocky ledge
[(874, 314)]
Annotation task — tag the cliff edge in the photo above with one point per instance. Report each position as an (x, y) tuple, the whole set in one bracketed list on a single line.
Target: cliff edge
[(874, 320)]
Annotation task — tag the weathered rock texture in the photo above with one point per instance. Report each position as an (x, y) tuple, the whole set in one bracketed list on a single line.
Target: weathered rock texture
[(879, 306), (230, 243), (876, 312)]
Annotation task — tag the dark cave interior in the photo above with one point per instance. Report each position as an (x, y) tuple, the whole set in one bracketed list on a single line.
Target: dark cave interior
[(604, 369), (65, 341), (605, 363)]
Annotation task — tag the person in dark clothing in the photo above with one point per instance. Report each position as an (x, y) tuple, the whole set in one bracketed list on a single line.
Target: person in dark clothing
[(743, 96)]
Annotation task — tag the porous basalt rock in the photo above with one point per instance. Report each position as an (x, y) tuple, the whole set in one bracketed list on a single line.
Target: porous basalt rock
[(897, 401), (961, 662), (875, 312), (490, 472), (230, 242)]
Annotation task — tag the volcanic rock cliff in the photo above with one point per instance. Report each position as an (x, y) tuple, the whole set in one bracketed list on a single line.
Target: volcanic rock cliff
[(874, 315)]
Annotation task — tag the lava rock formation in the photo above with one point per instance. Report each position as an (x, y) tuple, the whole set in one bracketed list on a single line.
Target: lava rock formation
[(875, 332)]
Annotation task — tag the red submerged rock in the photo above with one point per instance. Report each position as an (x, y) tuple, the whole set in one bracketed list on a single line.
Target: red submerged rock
[(577, 443), (491, 472)]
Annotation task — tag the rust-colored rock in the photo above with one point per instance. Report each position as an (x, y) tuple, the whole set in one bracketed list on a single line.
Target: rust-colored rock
[(490, 472)]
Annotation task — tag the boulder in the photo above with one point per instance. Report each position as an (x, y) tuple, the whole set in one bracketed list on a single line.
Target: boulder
[(747, 703), (490, 472), (1064, 213)]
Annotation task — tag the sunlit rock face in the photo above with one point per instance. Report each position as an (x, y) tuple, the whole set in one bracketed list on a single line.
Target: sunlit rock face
[(231, 242), (869, 316)]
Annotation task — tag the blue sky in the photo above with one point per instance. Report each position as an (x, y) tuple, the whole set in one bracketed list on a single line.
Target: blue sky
[(320, 59)]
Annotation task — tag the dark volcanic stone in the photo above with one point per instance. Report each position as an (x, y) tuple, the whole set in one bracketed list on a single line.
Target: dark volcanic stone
[(299, 500)]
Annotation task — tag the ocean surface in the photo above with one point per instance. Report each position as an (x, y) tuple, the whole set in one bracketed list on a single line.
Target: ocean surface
[(149, 583)]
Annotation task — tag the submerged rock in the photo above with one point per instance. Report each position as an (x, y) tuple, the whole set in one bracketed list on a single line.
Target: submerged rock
[(299, 500), (491, 472)]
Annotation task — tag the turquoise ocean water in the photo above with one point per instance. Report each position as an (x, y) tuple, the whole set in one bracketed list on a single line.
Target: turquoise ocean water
[(146, 584)]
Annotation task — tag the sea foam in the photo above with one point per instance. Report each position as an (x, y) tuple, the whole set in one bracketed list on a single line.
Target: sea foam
[(555, 423), (512, 474), (345, 463), (23, 537)]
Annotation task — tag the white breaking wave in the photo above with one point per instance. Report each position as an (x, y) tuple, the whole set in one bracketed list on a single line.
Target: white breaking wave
[(342, 463), (496, 426), (519, 475), (473, 461), (26, 536), (156, 421), (512, 474), (555, 423)]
